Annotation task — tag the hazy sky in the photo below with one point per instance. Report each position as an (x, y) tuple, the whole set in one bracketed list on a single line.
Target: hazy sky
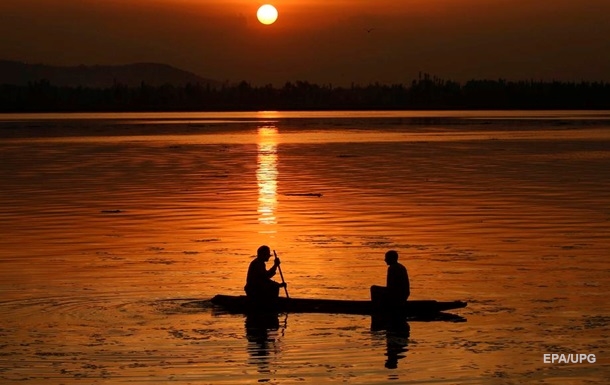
[(322, 41)]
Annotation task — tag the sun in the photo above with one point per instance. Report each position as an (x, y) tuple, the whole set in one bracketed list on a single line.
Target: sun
[(267, 14)]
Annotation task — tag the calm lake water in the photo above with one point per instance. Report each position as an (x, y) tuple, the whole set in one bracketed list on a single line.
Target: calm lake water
[(115, 226)]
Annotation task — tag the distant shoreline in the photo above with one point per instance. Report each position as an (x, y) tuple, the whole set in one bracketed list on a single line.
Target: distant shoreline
[(425, 93)]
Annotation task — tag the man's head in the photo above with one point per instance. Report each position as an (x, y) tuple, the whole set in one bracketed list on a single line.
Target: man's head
[(264, 253), (391, 257)]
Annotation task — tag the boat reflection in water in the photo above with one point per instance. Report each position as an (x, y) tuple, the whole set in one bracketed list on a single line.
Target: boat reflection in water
[(397, 332), (262, 332)]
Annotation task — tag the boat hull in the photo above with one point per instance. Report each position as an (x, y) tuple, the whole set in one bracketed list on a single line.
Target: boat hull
[(240, 304)]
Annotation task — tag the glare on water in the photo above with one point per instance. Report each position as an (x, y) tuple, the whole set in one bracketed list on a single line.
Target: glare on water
[(266, 175)]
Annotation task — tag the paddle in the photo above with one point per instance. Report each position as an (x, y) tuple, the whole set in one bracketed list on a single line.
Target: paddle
[(282, 276)]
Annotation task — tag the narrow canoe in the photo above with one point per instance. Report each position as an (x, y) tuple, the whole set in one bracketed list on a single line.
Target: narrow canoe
[(240, 304)]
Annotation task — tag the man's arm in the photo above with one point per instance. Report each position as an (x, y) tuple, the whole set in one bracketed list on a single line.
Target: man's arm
[(273, 269)]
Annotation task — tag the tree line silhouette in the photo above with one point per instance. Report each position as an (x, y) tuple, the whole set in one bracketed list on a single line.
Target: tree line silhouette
[(426, 92)]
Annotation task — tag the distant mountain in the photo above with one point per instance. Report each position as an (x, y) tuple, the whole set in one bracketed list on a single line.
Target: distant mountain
[(98, 76)]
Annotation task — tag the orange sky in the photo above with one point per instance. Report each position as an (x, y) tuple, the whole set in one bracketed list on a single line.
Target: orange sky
[(319, 41)]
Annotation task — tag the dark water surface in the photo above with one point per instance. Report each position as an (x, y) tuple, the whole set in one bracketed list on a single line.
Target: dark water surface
[(114, 226)]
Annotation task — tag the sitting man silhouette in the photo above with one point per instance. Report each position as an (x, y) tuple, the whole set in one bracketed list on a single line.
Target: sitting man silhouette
[(260, 289), (397, 289)]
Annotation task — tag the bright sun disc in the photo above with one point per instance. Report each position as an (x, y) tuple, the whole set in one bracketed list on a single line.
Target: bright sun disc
[(267, 14)]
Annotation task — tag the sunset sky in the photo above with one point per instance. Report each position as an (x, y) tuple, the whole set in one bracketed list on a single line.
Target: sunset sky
[(321, 41)]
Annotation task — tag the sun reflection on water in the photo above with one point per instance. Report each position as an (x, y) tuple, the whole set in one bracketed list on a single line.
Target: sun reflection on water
[(266, 176)]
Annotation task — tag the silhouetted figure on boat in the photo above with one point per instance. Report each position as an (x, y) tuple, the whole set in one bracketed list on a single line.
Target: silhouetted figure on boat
[(397, 289), (261, 290)]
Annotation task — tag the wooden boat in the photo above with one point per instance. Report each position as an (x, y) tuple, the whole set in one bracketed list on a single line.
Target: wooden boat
[(418, 308)]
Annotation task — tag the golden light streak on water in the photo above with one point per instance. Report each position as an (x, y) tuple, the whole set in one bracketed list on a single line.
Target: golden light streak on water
[(266, 176)]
